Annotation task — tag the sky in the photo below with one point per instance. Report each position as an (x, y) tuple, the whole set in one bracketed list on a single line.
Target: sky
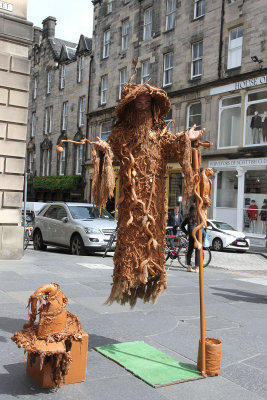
[(73, 17)]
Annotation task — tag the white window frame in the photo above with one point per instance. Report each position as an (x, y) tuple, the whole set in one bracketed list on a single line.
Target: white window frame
[(125, 29), (62, 76), (192, 115), (199, 8), (221, 109), (46, 162), (80, 69), (167, 69), (197, 60), (49, 81), (235, 48), (247, 104), (123, 75), (145, 71), (33, 124), (35, 88), (109, 6), (82, 101), (106, 43), (65, 112), (50, 125), (170, 14), (147, 34), (62, 162), (46, 120), (79, 159), (30, 161), (104, 89)]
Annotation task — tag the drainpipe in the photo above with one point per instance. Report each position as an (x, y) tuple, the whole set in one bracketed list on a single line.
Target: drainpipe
[(221, 41)]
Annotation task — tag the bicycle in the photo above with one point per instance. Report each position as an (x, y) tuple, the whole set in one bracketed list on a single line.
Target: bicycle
[(27, 236), (179, 250), (110, 242)]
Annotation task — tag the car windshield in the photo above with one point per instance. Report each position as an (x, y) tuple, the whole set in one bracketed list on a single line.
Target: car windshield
[(89, 212), (223, 225)]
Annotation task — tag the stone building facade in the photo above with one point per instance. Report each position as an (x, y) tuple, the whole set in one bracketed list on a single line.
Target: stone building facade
[(212, 62), (15, 41), (58, 108)]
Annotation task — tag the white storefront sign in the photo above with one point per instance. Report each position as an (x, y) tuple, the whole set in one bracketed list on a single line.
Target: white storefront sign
[(261, 80), (6, 6), (247, 162)]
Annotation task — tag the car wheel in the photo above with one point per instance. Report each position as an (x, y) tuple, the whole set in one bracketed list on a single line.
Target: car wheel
[(217, 244), (77, 246), (38, 243)]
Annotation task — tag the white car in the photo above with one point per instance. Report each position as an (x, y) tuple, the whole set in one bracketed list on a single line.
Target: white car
[(224, 236)]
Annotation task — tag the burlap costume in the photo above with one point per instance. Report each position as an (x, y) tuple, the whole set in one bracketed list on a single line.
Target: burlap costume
[(143, 152)]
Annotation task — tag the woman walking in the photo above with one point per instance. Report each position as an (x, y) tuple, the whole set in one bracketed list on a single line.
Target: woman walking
[(191, 222)]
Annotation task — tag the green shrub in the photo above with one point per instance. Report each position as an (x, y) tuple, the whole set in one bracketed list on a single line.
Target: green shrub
[(57, 182)]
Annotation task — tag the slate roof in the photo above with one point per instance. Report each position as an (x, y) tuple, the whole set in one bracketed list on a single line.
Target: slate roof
[(56, 45)]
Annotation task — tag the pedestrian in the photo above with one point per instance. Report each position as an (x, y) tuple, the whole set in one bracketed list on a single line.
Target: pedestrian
[(142, 142), (191, 222), (175, 220), (252, 212)]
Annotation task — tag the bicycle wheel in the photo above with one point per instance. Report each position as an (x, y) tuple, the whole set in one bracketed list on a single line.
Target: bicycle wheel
[(182, 255), (206, 256)]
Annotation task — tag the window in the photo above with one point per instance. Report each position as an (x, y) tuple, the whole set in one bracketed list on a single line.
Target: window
[(168, 67), (125, 34), (81, 111), (145, 71), (229, 121), (35, 88), (49, 81), (48, 120), (65, 115), (105, 130), (123, 73), (45, 162), (196, 65), (199, 8), (194, 115), (255, 124), (235, 48), (62, 76), (106, 44), (30, 161), (227, 187), (79, 159), (80, 69), (34, 120), (148, 24), (62, 162), (109, 6), (104, 89), (170, 14)]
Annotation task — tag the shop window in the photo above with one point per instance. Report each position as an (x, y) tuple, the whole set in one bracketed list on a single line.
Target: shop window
[(235, 47), (256, 119), (175, 189), (255, 202), (194, 115), (229, 122), (105, 130), (227, 185), (170, 14), (145, 71), (147, 24)]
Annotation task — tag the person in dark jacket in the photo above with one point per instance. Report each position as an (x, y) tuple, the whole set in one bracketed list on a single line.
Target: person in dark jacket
[(175, 220), (191, 222)]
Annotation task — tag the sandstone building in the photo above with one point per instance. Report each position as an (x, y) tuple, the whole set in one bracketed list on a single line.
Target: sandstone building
[(15, 41)]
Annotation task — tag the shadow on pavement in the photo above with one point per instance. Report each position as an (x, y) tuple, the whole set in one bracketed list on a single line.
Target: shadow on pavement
[(11, 324), (239, 295), (96, 340)]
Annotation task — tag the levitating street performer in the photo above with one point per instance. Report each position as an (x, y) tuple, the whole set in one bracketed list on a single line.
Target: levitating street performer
[(142, 142)]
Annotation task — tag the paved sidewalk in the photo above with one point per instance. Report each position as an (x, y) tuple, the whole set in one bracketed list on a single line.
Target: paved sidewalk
[(235, 305)]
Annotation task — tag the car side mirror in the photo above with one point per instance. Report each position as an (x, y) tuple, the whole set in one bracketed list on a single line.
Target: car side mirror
[(65, 220)]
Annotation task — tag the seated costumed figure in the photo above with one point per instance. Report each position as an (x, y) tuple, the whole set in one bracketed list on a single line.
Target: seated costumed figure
[(142, 143)]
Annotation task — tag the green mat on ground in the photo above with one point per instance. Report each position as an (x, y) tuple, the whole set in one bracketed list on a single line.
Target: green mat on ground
[(149, 364)]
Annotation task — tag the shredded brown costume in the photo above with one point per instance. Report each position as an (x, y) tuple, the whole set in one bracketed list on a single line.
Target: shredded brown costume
[(142, 142)]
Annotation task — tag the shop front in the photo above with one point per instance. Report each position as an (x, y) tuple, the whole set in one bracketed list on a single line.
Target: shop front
[(240, 195)]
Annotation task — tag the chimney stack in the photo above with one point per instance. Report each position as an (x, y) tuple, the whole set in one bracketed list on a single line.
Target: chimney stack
[(49, 27)]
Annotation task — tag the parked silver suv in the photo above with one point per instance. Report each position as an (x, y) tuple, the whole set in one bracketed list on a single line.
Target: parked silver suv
[(77, 226)]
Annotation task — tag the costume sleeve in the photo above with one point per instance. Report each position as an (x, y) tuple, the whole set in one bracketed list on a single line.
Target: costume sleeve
[(178, 147), (104, 178)]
